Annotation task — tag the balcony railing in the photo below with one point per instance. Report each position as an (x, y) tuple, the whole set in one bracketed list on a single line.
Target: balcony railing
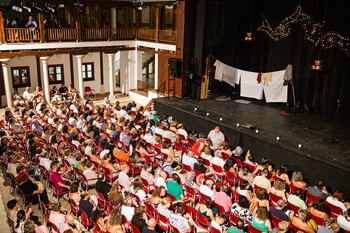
[(61, 34), (88, 34), (22, 35), (95, 34)]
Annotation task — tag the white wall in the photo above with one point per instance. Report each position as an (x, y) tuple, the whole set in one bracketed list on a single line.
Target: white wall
[(58, 59)]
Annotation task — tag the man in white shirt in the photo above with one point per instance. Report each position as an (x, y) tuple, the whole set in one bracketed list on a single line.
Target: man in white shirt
[(344, 221), (45, 161), (159, 130), (60, 126), (27, 95), (89, 147), (179, 221), (188, 159), (81, 122), (207, 189), (123, 113), (161, 179), (218, 161), (123, 179), (219, 221), (182, 131), (149, 138), (217, 138), (56, 217), (73, 107), (262, 180), (90, 174), (50, 119)]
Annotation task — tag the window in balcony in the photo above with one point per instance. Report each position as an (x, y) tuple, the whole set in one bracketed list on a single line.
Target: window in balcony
[(88, 71), (56, 74), (20, 76)]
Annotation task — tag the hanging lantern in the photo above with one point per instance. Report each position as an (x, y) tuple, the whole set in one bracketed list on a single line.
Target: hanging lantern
[(249, 37), (318, 65)]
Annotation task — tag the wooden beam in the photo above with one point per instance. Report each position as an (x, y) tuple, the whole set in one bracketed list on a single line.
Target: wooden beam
[(109, 18), (78, 27), (157, 24), (2, 29), (38, 70), (71, 69), (164, 53), (41, 27)]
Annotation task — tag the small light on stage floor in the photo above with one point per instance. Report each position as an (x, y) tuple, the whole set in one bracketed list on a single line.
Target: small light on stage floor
[(237, 125), (257, 131), (195, 109), (207, 114), (299, 146), (220, 119), (277, 139)]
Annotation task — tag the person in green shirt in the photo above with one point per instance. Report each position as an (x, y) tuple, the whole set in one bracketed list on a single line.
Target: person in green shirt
[(238, 228), (296, 200), (174, 187)]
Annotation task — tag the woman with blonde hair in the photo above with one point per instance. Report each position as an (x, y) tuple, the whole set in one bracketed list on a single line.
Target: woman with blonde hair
[(261, 220), (278, 189), (115, 222), (259, 200), (115, 195), (127, 208), (110, 129), (157, 196), (163, 207), (206, 154)]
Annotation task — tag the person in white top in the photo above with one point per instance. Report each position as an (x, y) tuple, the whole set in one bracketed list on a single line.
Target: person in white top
[(344, 221), (137, 189), (208, 189), (161, 179), (149, 138), (335, 200), (127, 210), (90, 174), (216, 137), (45, 161), (27, 95), (89, 147), (55, 216), (219, 221), (181, 130), (123, 179)]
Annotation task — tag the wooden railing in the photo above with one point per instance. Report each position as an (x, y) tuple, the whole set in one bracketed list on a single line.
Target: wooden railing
[(167, 36), (146, 34), (61, 34), (124, 33), (95, 33), (22, 34)]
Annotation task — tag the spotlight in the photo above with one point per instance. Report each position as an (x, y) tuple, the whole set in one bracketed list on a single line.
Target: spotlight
[(207, 114), (237, 125), (195, 109), (299, 146), (277, 139), (256, 131), (220, 119)]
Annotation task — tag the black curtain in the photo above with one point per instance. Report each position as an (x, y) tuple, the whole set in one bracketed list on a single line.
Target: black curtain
[(227, 23)]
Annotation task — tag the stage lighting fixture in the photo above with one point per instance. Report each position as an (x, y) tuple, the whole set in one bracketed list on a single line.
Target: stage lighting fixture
[(237, 125), (256, 131), (195, 109), (318, 65), (220, 119), (299, 146), (277, 139), (207, 114), (249, 37)]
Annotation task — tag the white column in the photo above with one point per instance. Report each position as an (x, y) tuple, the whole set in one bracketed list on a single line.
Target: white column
[(111, 64), (80, 75), (46, 78), (5, 70)]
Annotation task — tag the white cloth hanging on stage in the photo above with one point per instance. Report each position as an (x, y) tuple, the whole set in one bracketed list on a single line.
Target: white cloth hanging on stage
[(226, 73), (274, 90), (249, 85)]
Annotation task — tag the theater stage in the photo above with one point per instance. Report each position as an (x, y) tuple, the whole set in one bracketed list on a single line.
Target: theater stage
[(317, 158)]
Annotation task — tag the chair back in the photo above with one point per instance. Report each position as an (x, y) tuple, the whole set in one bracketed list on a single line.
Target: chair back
[(202, 197), (230, 177), (233, 218), (85, 219), (146, 187), (319, 221), (292, 189), (206, 162), (251, 167), (335, 210), (203, 221), (214, 230), (225, 155), (172, 197), (190, 141), (186, 168), (190, 191), (74, 206), (256, 187), (296, 229), (217, 168), (253, 229), (101, 199), (311, 198), (174, 229), (163, 222), (220, 207), (274, 199), (238, 161), (150, 211), (134, 229), (275, 221)]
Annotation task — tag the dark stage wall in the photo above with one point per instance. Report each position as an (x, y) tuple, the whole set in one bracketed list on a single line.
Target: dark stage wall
[(227, 22), (311, 168)]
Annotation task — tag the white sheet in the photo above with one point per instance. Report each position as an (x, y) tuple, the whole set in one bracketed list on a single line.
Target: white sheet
[(226, 73), (275, 91), (249, 85)]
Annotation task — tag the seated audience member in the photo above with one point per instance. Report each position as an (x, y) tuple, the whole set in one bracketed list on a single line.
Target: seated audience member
[(94, 157), (115, 195), (160, 180), (163, 208), (123, 178), (31, 227), (199, 166), (217, 138), (69, 223), (142, 149), (334, 228), (344, 220), (206, 154), (90, 175), (278, 189), (21, 218), (102, 186), (302, 221), (259, 200), (319, 190), (127, 208), (26, 185), (100, 217), (262, 181), (167, 166), (120, 154), (241, 209), (174, 188), (146, 174), (208, 189), (106, 163), (62, 184), (80, 164), (319, 209), (282, 174), (295, 199), (245, 174), (56, 217), (218, 222), (167, 150), (86, 204), (283, 227), (139, 218), (336, 200), (230, 167), (13, 208), (249, 160), (188, 159), (179, 171), (157, 196), (180, 221), (191, 182), (115, 221), (168, 133), (226, 148), (45, 160), (137, 189), (74, 193), (149, 138), (261, 221), (278, 210), (207, 210), (297, 180), (238, 151), (238, 228), (223, 199), (151, 225), (218, 160), (68, 156), (244, 189)]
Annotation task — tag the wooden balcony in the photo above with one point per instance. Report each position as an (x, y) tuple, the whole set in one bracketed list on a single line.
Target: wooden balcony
[(61, 34), (146, 34), (123, 33), (95, 34), (22, 35), (167, 36)]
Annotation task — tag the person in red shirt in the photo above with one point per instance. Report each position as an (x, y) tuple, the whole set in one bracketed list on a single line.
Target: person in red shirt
[(199, 146)]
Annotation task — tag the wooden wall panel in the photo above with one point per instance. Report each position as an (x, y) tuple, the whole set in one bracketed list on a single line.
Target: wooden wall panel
[(163, 76)]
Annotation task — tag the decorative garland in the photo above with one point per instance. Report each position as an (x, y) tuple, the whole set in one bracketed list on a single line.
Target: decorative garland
[(313, 31)]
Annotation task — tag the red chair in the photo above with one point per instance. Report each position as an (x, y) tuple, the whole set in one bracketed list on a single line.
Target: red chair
[(86, 181), (146, 187), (251, 167), (253, 229), (229, 178), (311, 198), (172, 197), (219, 171), (274, 199), (214, 230), (190, 141), (335, 210), (275, 221), (202, 221), (74, 207), (256, 187), (110, 176), (226, 156), (293, 208), (174, 229), (206, 162), (77, 174), (190, 192), (292, 189), (134, 229), (296, 229), (238, 161), (150, 211), (202, 198), (319, 221), (89, 92), (25, 197), (55, 190), (234, 218), (85, 220), (186, 168), (220, 207), (101, 199), (163, 222), (134, 170)]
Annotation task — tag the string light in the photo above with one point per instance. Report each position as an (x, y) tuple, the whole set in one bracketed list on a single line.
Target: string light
[(312, 31)]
